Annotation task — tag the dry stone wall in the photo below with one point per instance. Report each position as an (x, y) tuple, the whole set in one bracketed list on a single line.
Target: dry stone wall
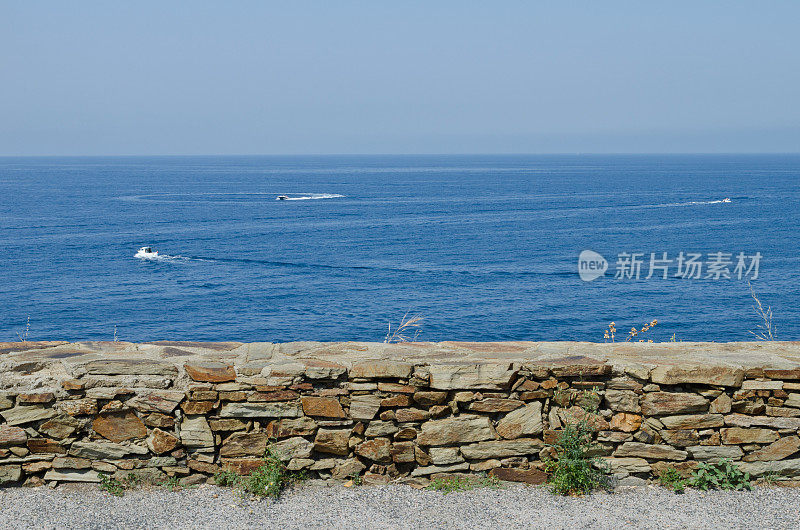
[(406, 413)]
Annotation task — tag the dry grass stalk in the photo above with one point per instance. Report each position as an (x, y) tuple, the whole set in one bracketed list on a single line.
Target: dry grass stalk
[(609, 335), (407, 324), (23, 337), (766, 328)]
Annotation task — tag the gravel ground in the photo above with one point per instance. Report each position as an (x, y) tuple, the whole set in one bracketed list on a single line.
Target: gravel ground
[(397, 507)]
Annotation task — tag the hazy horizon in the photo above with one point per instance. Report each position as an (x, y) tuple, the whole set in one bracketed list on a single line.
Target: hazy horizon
[(267, 78)]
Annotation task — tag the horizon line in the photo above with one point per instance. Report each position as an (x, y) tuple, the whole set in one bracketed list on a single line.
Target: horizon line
[(554, 153)]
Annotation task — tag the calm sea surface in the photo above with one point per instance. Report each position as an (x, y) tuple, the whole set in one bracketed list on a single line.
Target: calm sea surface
[(484, 247)]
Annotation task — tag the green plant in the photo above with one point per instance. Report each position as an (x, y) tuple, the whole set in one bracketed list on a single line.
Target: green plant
[(132, 480), (574, 472), (111, 485), (172, 483), (671, 479), (723, 475), (589, 401), (770, 478), (227, 478), (268, 480), (450, 484)]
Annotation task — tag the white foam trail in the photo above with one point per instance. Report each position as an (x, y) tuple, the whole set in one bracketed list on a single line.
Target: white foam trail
[(676, 204), (314, 196), (164, 257)]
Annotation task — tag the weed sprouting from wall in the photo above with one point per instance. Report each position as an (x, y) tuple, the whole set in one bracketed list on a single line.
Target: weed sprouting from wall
[(766, 329), (408, 324), (23, 337)]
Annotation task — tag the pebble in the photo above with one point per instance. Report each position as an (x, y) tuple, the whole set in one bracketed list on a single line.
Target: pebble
[(379, 507)]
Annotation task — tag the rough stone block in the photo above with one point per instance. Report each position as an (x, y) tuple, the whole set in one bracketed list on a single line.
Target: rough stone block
[(261, 410), (295, 447), (381, 369), (739, 435), (196, 433), (332, 441), (501, 448), (626, 465), (22, 414), (529, 476), (364, 407), (377, 450), (623, 400), (697, 374), (241, 444), (72, 475), (483, 376), (456, 430), (495, 405), (325, 407), (650, 451), (119, 426), (131, 367), (12, 436), (522, 421), (778, 450), (693, 421), (668, 403), (705, 453), (210, 371), (762, 385)]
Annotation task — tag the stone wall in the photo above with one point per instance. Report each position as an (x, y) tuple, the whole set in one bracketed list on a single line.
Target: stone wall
[(399, 412)]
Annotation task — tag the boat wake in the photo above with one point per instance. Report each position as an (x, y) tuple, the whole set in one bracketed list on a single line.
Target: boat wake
[(683, 204), (166, 258), (222, 198), (313, 196)]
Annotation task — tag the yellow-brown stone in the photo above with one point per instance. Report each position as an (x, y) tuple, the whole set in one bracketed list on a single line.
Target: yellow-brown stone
[(119, 426)]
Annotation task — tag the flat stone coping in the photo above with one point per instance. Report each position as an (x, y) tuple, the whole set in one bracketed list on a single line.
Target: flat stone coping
[(49, 363)]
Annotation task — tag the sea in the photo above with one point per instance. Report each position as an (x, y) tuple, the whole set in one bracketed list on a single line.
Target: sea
[(482, 248)]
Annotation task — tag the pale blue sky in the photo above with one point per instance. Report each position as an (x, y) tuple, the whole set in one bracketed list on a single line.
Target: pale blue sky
[(195, 77)]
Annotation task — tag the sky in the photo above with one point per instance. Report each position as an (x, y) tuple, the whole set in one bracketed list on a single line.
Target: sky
[(300, 77)]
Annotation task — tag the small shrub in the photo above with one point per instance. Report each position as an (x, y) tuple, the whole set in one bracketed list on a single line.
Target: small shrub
[(574, 472), (671, 479), (723, 475), (770, 478), (589, 401), (133, 481), (268, 480), (226, 478), (111, 485), (450, 484), (172, 483)]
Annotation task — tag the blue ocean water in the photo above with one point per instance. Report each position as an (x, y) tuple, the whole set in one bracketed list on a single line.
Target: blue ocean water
[(484, 247)]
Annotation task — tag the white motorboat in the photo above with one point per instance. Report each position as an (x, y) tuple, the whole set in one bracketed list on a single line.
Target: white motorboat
[(146, 253), (282, 198), (726, 199)]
